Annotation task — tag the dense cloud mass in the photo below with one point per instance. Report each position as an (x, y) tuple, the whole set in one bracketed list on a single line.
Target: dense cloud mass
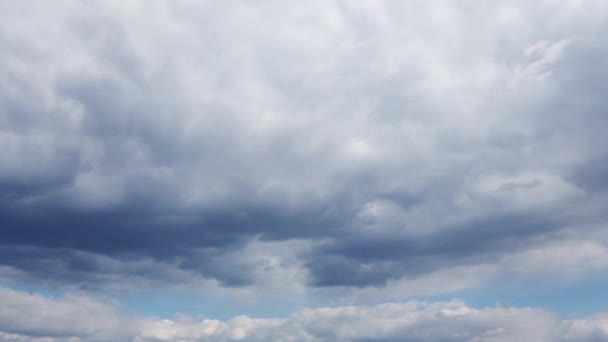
[(395, 138), (28, 317), (361, 148)]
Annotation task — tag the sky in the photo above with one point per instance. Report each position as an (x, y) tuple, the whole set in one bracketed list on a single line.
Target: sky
[(323, 170)]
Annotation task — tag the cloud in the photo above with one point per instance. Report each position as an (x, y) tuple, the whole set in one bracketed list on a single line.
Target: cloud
[(33, 317), (395, 141)]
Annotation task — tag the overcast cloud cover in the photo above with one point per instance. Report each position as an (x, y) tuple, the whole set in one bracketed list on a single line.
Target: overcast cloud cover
[(351, 155)]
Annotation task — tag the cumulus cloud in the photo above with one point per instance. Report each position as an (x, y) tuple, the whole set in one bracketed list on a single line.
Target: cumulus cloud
[(33, 317), (391, 140)]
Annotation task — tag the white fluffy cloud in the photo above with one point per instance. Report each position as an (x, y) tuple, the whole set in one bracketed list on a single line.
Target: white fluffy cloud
[(78, 318), (36, 317)]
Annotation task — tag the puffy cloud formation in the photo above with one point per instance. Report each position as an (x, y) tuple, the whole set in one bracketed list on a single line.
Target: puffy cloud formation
[(390, 141), (75, 318), (34, 317), (363, 151)]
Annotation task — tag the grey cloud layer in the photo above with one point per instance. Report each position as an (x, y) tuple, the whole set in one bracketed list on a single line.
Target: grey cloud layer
[(77, 318), (399, 139)]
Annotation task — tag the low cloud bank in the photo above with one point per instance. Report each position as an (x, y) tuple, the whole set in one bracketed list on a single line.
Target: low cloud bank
[(34, 317)]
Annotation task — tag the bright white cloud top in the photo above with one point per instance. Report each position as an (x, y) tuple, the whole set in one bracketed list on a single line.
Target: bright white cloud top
[(26, 317)]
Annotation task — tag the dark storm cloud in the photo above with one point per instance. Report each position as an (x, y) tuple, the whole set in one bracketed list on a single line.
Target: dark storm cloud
[(368, 261), (394, 146), (194, 242)]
